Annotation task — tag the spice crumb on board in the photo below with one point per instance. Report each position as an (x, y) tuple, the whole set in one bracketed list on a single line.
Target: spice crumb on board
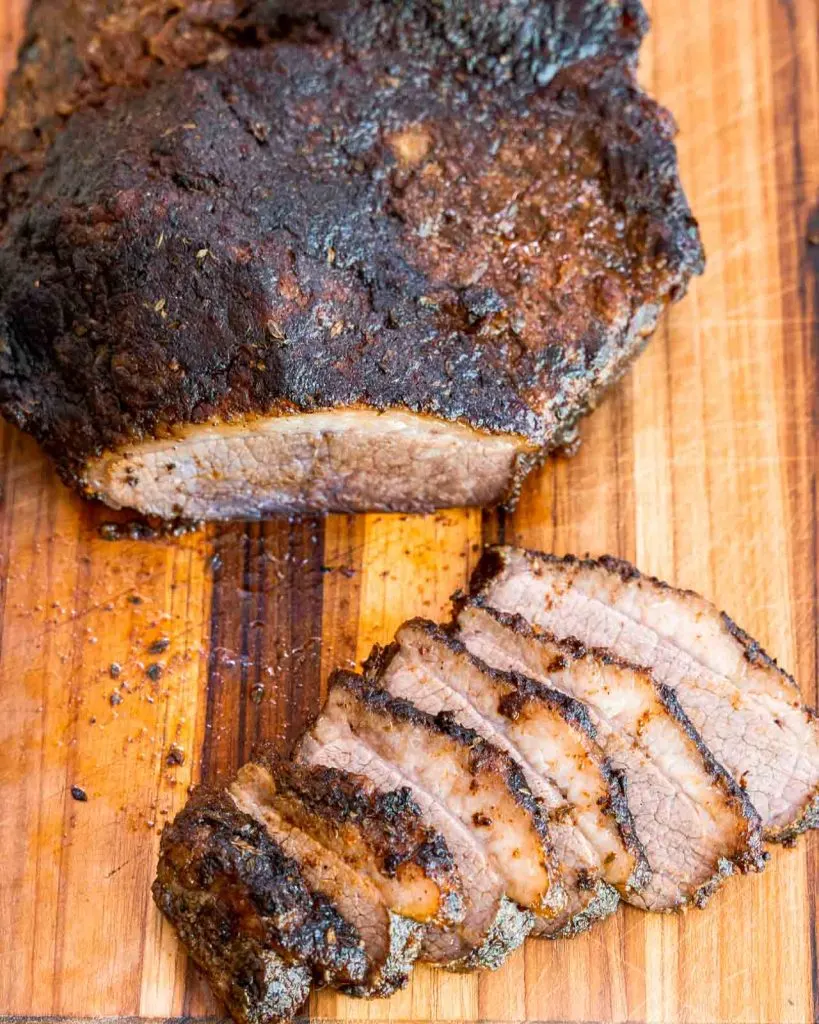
[(79, 794), (175, 755)]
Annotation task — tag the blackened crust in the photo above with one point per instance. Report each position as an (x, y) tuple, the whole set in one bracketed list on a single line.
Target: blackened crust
[(302, 224), (753, 651), (750, 856), (235, 898), (482, 757), (390, 823), (620, 812)]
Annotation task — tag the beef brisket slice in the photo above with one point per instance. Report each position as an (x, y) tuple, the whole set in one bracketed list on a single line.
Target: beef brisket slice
[(749, 712), (696, 825), (390, 942), (551, 739), (469, 791), (367, 255), (246, 914), (381, 834)]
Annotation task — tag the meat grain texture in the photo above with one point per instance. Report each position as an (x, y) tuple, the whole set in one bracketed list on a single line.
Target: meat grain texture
[(552, 739), (339, 254), (748, 711)]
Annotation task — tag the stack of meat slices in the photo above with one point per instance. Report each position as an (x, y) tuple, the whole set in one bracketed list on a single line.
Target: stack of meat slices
[(577, 736)]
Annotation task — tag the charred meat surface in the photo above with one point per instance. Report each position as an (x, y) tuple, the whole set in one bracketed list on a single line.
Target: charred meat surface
[(284, 832), (492, 926), (695, 824), (390, 942), (249, 257), (472, 793), (552, 740), (749, 712), (380, 834), (247, 916)]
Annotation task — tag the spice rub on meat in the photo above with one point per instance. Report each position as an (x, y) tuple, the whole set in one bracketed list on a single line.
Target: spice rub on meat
[(344, 254)]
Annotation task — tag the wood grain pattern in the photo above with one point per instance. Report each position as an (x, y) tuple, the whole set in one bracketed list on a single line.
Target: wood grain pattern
[(701, 468)]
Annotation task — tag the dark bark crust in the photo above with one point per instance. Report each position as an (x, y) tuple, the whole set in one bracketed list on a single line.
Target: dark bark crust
[(222, 213), (390, 823), (239, 903)]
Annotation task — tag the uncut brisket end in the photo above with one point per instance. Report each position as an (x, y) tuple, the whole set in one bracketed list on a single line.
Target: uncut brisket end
[(252, 259)]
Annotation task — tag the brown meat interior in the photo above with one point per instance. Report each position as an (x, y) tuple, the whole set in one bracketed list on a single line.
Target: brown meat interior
[(334, 461)]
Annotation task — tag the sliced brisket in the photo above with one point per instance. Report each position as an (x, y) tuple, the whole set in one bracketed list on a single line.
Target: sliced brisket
[(247, 915), (696, 825), (379, 833), (749, 712), (551, 738), (363, 255), (470, 791)]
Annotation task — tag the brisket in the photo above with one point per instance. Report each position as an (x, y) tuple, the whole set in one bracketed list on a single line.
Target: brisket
[(246, 914), (552, 739), (470, 791), (749, 712), (261, 257), (694, 822)]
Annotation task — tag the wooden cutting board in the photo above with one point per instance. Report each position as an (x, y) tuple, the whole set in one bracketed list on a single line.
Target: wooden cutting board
[(701, 468)]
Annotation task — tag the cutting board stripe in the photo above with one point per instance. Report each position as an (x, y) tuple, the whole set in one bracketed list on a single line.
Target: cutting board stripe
[(264, 670), (796, 144)]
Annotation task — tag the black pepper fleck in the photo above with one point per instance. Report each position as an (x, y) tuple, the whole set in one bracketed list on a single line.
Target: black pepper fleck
[(78, 793), (176, 755)]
